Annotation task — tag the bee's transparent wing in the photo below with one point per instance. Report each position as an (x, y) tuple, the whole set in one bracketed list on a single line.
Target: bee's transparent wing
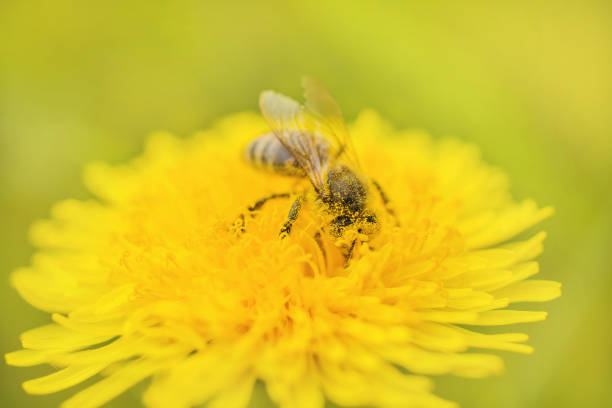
[(297, 132), (328, 117)]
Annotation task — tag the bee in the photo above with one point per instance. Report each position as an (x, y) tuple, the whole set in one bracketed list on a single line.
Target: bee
[(312, 141)]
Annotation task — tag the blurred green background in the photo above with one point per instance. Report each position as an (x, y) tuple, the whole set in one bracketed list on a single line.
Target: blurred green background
[(530, 82)]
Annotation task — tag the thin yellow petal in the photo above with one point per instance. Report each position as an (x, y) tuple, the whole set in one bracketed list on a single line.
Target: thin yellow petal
[(519, 272), (466, 299), (26, 358), (531, 291), (108, 388), (509, 223), (54, 336), (506, 341), (425, 362), (442, 316), (102, 327), (502, 317), (62, 379), (439, 337)]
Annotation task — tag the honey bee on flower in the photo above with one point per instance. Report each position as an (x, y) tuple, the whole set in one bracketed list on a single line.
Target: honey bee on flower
[(312, 141)]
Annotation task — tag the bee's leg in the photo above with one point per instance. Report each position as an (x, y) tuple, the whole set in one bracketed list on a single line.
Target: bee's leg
[(385, 199), (240, 222), (259, 203), (293, 214), (319, 241), (349, 254)]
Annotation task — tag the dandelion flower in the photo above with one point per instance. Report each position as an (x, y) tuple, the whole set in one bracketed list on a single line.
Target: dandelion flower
[(147, 280)]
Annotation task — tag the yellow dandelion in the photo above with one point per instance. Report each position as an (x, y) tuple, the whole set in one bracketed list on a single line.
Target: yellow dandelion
[(148, 280)]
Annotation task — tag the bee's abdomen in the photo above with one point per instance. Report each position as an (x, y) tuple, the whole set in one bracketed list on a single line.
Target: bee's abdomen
[(267, 153)]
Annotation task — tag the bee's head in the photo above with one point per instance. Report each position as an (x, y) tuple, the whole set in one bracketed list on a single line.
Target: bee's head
[(365, 223)]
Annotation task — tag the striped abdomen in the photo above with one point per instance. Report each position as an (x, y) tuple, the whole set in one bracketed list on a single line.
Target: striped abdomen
[(266, 152)]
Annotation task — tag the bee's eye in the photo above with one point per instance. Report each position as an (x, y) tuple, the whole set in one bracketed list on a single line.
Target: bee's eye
[(371, 219)]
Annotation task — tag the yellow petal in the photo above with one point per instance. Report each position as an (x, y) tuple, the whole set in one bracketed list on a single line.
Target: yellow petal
[(502, 317), (506, 341), (509, 223), (531, 291), (54, 336), (62, 379), (519, 272), (425, 362), (439, 337), (466, 299), (113, 385), (25, 358)]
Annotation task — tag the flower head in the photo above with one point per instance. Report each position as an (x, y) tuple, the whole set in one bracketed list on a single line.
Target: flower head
[(149, 280)]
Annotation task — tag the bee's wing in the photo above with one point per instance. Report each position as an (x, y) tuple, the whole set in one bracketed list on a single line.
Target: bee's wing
[(296, 131), (330, 121)]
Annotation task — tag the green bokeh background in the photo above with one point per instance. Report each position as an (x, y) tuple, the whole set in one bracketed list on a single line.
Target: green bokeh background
[(530, 82)]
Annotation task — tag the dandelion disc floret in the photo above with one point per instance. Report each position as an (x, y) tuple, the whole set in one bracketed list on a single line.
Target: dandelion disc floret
[(149, 280)]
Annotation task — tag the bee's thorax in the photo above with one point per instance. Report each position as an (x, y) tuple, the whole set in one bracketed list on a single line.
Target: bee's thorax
[(345, 190)]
